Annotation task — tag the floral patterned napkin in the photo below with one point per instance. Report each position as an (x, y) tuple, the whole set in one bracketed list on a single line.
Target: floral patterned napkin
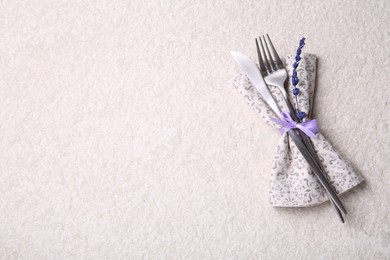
[(292, 182)]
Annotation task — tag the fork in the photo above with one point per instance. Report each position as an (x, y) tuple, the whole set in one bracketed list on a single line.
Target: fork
[(275, 74)]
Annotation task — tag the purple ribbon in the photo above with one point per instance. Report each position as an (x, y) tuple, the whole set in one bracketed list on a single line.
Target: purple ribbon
[(309, 127)]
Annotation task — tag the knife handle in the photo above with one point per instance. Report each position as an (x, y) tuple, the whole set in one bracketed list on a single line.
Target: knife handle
[(307, 142), (316, 169)]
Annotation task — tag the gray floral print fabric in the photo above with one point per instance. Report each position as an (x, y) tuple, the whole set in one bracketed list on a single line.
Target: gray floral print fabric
[(292, 183)]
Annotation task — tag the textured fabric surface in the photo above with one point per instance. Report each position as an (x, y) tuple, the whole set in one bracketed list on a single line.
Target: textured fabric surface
[(292, 182), (121, 136)]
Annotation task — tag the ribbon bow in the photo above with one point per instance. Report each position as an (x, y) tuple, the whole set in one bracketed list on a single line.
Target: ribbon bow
[(309, 127)]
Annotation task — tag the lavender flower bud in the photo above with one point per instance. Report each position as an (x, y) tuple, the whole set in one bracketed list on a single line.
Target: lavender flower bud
[(301, 115), (294, 81)]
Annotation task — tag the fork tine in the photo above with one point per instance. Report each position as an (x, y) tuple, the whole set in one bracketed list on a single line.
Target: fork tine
[(259, 56), (274, 54), (271, 63), (264, 57)]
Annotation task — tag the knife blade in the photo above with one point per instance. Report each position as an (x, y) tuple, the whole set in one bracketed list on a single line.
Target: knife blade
[(254, 75)]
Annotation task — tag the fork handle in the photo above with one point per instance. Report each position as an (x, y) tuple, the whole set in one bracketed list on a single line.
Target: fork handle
[(316, 169), (306, 140)]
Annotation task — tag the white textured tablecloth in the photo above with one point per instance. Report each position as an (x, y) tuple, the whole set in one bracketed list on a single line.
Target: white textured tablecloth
[(121, 136)]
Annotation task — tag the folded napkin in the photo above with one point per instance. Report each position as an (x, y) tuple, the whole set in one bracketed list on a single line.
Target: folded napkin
[(292, 182)]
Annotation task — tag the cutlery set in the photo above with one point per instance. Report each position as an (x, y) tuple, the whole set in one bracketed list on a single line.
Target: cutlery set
[(272, 73)]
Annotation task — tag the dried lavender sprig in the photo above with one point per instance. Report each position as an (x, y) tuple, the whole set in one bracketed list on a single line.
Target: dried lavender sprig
[(295, 80)]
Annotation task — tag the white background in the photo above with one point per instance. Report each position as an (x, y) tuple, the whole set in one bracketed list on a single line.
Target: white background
[(121, 135)]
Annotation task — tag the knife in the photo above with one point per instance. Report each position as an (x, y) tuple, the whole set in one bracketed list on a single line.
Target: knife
[(253, 73)]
